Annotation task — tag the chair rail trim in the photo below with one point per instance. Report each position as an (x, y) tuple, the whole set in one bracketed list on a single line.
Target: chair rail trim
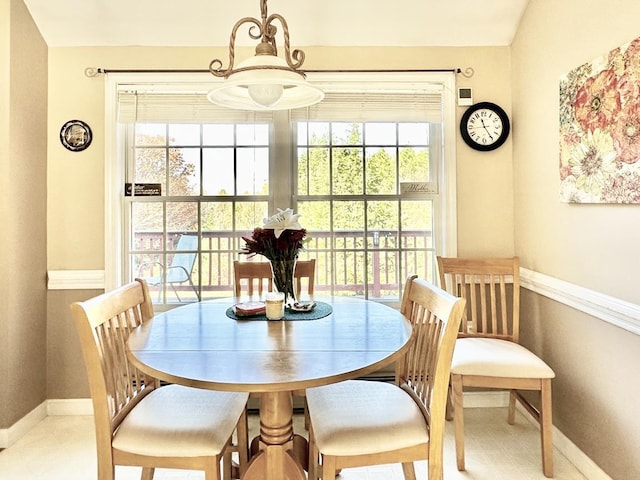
[(615, 311), (75, 280), (623, 314)]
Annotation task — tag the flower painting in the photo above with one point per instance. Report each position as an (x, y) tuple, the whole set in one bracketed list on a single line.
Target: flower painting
[(600, 129)]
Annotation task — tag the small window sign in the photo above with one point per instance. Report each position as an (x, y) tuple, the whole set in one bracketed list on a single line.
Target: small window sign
[(417, 188), (143, 189)]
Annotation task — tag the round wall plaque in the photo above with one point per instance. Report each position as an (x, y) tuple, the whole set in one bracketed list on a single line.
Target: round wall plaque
[(75, 135)]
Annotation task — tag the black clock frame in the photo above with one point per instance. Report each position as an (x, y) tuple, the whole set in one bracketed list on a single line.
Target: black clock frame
[(506, 126)]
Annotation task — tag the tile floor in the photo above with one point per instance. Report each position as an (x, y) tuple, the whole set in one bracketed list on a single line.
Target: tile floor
[(63, 448)]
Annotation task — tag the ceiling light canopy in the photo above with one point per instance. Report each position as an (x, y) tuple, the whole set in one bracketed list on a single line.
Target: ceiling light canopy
[(264, 81)]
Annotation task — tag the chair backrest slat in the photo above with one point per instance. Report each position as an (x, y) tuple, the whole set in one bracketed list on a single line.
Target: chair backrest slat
[(492, 289), (252, 274), (424, 373), (103, 324)]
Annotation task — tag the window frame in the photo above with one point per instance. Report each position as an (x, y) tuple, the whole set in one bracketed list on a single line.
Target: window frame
[(445, 222)]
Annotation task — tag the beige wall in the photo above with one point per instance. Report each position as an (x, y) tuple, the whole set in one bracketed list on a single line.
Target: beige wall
[(5, 115), (76, 202), (507, 202), (597, 390), (67, 377), (23, 158)]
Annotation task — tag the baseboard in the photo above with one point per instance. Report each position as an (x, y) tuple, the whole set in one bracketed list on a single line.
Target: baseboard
[(8, 436), (70, 406), (582, 462)]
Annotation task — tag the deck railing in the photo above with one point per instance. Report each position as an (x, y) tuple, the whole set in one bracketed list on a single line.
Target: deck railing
[(347, 262)]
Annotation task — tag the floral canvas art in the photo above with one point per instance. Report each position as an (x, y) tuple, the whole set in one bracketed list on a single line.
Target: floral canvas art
[(600, 129)]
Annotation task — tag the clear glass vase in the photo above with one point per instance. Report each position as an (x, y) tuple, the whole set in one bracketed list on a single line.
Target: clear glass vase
[(283, 278)]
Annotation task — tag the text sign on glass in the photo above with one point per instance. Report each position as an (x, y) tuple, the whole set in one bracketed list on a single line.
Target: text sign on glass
[(143, 189), (416, 188)]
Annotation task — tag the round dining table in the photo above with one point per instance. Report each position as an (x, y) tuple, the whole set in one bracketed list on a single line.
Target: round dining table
[(206, 345)]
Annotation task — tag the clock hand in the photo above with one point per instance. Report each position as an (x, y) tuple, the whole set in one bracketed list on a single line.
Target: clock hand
[(485, 127)]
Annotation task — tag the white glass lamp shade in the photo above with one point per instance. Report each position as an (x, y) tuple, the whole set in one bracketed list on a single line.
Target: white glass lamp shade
[(260, 88), (266, 94)]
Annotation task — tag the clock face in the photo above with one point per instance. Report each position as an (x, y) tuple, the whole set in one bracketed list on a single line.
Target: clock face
[(484, 126)]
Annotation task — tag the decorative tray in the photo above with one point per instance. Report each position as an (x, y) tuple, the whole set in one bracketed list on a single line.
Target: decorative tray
[(302, 307), (318, 310)]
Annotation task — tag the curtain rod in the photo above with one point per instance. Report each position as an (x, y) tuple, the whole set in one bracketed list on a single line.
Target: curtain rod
[(94, 72)]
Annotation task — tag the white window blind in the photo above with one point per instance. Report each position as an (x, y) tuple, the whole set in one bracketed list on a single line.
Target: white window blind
[(188, 107), (195, 108), (355, 101), (419, 106)]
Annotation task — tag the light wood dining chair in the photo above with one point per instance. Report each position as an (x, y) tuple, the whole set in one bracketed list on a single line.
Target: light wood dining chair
[(305, 272), (257, 276), (252, 276), (137, 421), (487, 353), (362, 422)]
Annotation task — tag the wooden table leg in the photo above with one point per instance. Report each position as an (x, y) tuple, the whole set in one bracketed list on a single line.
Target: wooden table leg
[(276, 458)]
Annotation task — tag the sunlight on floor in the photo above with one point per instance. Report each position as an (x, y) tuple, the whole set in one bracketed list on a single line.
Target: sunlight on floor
[(63, 448)]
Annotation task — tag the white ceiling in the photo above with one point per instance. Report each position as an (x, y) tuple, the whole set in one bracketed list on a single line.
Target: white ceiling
[(69, 23)]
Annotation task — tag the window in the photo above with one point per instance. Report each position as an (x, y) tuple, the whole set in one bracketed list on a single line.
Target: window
[(364, 233), (214, 187), (366, 169)]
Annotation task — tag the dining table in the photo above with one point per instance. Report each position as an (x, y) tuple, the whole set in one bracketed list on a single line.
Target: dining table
[(207, 345)]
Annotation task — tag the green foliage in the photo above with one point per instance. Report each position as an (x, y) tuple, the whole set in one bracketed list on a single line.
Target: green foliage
[(332, 160), (355, 170)]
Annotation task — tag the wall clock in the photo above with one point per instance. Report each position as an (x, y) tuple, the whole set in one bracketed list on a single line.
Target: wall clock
[(75, 135), (485, 126)]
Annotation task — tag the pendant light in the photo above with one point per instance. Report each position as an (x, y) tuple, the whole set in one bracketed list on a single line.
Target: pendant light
[(264, 81)]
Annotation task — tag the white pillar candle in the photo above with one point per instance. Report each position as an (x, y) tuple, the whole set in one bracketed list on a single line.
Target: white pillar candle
[(275, 305)]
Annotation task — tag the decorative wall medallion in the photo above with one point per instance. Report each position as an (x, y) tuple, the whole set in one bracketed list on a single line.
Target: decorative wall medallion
[(75, 135)]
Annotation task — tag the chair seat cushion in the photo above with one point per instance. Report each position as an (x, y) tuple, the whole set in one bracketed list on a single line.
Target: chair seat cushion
[(180, 421), (361, 416), (497, 358)]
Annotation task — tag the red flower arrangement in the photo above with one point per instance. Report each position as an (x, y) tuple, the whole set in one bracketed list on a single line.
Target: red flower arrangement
[(263, 241), (279, 240)]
